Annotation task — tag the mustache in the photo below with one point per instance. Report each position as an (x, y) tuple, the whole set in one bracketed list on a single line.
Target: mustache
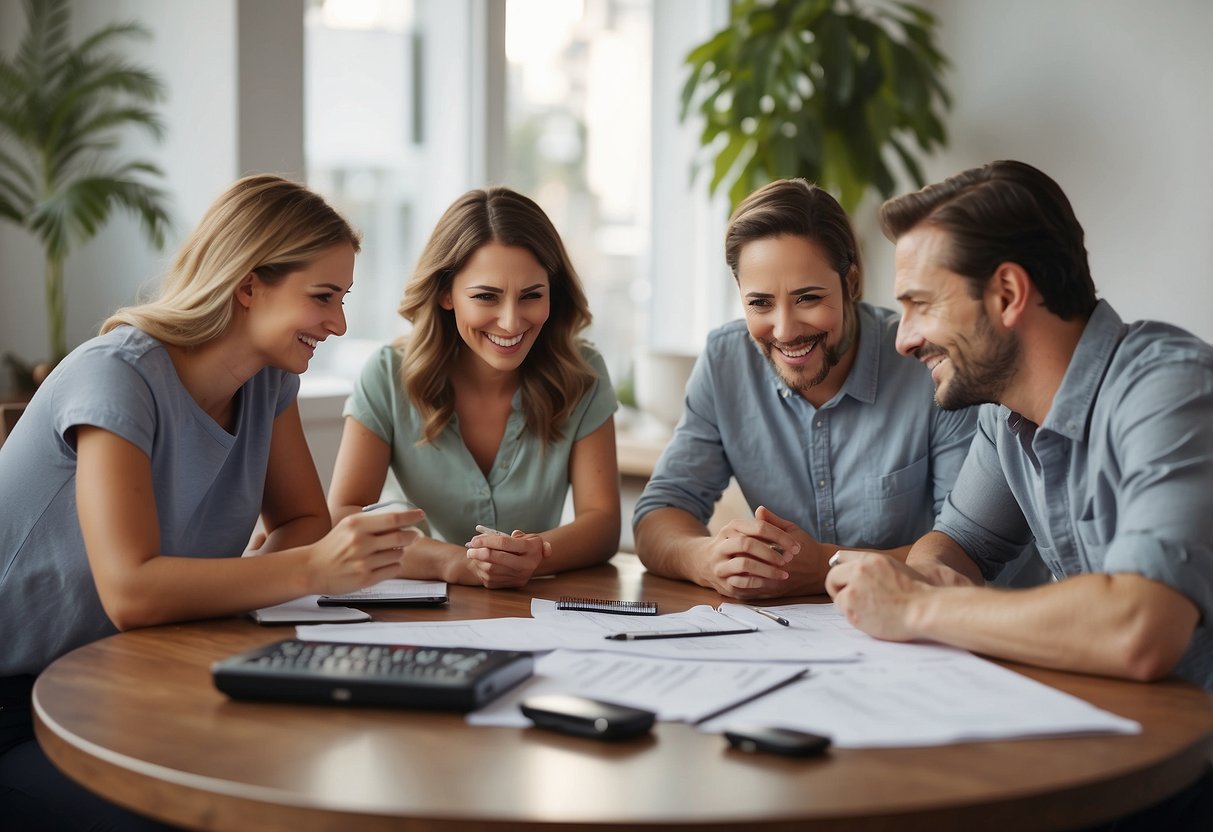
[(928, 351), (798, 342)]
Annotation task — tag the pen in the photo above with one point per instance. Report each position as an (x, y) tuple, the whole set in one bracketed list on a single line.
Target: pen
[(487, 530), (641, 636), (778, 619)]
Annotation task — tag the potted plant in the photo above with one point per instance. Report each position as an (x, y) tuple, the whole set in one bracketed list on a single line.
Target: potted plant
[(827, 90), (62, 105)]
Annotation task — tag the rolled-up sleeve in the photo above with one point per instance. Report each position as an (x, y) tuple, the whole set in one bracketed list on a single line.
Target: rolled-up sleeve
[(981, 513), (1163, 524)]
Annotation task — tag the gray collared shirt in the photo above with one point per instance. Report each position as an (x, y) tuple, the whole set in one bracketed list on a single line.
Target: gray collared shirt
[(1118, 477), (870, 468)]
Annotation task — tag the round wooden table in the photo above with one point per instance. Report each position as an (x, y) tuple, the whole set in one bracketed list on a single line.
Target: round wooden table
[(136, 718)]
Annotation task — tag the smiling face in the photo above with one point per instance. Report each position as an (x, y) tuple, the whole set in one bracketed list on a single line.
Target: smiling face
[(287, 318), (798, 313), (501, 300), (946, 328)]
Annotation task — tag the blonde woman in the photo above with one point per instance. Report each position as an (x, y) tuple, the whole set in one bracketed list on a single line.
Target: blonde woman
[(491, 407), (138, 471)]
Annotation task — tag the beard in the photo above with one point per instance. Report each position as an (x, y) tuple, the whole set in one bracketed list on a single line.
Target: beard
[(798, 378), (980, 377)]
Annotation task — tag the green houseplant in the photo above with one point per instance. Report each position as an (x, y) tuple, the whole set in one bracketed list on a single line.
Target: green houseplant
[(827, 90), (62, 107)]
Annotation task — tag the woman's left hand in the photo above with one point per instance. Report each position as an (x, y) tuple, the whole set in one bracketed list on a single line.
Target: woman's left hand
[(502, 561)]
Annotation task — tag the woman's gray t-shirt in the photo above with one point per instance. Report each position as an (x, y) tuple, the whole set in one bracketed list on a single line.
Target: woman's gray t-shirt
[(207, 483)]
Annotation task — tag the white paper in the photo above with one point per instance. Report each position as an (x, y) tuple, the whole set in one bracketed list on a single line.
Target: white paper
[(824, 624), (393, 589), (674, 690), (306, 609), (556, 629), (945, 699)]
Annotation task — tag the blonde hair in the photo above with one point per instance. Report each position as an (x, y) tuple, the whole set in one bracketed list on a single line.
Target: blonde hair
[(262, 224), (555, 375)]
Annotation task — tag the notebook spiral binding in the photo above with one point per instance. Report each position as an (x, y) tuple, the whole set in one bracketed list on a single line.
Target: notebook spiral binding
[(603, 605)]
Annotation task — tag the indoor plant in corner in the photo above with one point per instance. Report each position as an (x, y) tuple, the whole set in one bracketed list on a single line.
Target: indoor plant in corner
[(827, 90), (62, 107)]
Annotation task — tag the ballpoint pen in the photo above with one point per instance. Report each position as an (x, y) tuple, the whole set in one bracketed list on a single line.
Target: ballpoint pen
[(642, 636), (778, 619), (487, 530)]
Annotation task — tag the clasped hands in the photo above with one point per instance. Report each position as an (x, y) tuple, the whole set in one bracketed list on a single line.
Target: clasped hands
[(764, 556), (502, 561)]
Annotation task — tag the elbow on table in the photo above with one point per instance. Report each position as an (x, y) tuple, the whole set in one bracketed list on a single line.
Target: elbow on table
[(130, 610), (1152, 650)]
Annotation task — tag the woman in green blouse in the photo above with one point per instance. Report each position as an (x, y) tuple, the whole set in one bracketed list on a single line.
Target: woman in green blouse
[(491, 407)]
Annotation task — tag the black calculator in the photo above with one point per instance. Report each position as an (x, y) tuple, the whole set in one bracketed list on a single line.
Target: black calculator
[(438, 678)]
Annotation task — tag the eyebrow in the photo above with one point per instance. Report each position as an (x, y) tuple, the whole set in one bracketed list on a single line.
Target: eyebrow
[(498, 290), (803, 290), (333, 286)]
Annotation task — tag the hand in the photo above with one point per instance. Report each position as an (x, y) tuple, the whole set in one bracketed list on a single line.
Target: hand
[(748, 558), (361, 550), (501, 561), (877, 593)]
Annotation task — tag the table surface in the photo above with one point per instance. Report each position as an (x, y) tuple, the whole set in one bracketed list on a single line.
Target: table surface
[(136, 718)]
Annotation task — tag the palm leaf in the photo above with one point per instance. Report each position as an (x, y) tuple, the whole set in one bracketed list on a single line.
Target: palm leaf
[(63, 111)]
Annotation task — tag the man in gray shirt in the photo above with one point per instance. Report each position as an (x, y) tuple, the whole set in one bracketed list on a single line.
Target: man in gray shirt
[(831, 436), (1100, 447)]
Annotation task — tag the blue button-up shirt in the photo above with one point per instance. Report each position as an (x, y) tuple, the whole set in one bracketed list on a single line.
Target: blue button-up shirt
[(1118, 477), (870, 468)]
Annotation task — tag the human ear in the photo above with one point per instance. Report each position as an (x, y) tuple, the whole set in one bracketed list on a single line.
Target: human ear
[(445, 301), (1008, 293), (244, 291)]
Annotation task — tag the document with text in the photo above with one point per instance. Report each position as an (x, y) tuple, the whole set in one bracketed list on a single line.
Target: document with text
[(675, 690), (945, 699)]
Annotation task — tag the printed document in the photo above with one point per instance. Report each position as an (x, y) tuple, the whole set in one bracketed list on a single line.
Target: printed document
[(675, 690), (948, 699)]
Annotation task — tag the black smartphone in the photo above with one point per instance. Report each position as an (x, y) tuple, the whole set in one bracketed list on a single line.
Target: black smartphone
[(786, 741), (586, 717)]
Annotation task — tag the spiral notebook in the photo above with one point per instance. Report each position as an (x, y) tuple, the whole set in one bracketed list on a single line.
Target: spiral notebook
[(602, 605)]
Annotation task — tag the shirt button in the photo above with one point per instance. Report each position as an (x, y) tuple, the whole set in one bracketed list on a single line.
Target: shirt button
[(821, 483), (817, 424)]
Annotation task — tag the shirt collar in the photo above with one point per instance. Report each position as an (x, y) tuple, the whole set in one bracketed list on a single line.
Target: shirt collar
[(1070, 413)]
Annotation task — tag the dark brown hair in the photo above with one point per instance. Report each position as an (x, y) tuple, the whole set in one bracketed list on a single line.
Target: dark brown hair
[(998, 213), (796, 207)]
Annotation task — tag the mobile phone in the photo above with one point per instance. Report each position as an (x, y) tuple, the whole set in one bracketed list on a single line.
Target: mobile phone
[(585, 717), (785, 741)]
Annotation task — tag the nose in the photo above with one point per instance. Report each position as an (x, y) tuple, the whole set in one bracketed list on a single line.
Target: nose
[(784, 329), (507, 318), (908, 338), (337, 323)]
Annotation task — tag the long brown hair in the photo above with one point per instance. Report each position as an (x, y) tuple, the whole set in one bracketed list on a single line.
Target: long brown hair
[(554, 376), (263, 224)]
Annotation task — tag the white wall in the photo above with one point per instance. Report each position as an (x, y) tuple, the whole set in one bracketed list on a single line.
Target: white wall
[(209, 142), (1114, 100)]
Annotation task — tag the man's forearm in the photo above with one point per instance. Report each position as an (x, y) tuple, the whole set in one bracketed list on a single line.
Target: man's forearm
[(942, 562), (1120, 625), (665, 542)]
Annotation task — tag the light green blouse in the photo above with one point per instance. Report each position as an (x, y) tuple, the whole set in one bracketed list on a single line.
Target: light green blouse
[(528, 483)]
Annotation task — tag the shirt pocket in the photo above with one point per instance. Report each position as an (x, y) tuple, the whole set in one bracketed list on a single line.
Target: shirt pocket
[(897, 506), (1096, 529)]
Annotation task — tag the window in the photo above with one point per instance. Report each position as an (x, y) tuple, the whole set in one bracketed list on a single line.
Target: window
[(573, 102)]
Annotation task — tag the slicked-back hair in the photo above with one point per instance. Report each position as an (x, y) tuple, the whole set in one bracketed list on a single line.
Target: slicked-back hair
[(554, 376), (788, 207), (262, 224), (1004, 212)]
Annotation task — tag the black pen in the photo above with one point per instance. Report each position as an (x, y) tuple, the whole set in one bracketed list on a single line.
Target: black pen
[(684, 634)]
